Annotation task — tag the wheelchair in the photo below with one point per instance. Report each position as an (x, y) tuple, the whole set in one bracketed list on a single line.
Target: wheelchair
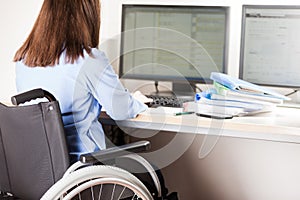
[(34, 160)]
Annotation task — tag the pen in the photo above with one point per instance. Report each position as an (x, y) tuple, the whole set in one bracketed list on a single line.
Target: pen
[(215, 116), (183, 113)]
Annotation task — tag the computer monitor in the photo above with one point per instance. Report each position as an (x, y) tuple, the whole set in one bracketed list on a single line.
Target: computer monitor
[(181, 44), (270, 45)]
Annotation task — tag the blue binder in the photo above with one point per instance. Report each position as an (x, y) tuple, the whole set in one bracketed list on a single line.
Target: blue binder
[(244, 87)]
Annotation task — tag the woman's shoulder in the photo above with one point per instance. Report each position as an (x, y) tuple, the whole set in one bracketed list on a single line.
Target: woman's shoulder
[(96, 61), (99, 57), (98, 54)]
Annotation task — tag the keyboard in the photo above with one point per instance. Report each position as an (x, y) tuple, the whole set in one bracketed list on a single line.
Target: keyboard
[(167, 101)]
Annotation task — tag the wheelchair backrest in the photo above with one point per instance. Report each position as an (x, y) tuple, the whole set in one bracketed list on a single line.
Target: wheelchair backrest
[(33, 152)]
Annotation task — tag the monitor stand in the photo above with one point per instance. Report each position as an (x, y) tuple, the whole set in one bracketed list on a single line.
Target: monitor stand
[(184, 90), (180, 90)]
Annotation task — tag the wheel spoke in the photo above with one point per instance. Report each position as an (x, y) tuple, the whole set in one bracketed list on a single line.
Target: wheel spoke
[(92, 192), (122, 192), (113, 192), (100, 192)]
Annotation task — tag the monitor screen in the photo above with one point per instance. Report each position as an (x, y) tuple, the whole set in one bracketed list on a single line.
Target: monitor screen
[(270, 45), (173, 43)]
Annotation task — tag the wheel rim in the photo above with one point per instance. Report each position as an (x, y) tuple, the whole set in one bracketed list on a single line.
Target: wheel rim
[(106, 189)]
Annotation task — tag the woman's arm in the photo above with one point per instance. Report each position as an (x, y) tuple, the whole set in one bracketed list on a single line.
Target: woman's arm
[(107, 89)]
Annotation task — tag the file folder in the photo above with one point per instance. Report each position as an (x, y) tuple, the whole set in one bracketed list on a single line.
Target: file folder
[(241, 86)]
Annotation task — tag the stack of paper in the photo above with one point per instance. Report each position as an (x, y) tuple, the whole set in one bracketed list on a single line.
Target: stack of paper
[(227, 107), (232, 96)]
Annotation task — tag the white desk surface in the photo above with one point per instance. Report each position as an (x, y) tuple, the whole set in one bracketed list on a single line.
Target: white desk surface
[(281, 125)]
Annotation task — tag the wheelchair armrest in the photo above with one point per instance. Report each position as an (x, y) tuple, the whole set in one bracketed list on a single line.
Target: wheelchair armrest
[(111, 153)]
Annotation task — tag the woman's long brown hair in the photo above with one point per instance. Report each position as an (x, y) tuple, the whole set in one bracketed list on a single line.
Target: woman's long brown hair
[(62, 25)]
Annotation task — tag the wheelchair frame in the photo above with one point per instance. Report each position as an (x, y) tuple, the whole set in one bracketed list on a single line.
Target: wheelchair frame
[(84, 175)]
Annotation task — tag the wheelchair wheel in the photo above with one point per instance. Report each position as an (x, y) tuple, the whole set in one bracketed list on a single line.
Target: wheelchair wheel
[(98, 182)]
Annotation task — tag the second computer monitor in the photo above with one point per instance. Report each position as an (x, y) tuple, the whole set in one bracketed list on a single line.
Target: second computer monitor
[(173, 43), (270, 50)]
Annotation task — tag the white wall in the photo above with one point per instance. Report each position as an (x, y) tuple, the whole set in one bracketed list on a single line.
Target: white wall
[(17, 18)]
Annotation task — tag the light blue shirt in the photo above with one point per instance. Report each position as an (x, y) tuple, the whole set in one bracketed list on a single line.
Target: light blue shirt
[(82, 89)]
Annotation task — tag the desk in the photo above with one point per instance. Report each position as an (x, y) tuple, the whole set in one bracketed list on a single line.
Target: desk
[(252, 157), (281, 125)]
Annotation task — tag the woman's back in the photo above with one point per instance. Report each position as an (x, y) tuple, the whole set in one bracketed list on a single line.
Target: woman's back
[(82, 88)]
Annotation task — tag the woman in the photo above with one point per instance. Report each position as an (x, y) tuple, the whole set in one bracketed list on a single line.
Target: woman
[(60, 55)]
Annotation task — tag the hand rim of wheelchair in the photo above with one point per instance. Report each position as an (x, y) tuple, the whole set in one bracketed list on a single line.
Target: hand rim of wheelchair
[(97, 172)]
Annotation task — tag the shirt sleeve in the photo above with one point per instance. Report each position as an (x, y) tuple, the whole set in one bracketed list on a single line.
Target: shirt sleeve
[(105, 86)]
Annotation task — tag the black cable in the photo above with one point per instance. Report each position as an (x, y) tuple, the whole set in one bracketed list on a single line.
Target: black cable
[(295, 90), (196, 87)]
